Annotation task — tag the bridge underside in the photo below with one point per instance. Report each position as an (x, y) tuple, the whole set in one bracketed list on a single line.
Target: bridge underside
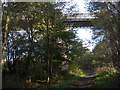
[(80, 23)]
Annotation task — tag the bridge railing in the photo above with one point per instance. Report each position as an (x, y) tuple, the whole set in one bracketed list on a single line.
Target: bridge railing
[(79, 19), (79, 16)]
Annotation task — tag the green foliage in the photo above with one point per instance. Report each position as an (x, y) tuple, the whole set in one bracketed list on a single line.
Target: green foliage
[(68, 80), (37, 44), (107, 77), (106, 24), (107, 81), (11, 81), (75, 69), (41, 48)]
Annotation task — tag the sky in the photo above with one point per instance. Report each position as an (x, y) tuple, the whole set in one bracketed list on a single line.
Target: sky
[(81, 5), (84, 33)]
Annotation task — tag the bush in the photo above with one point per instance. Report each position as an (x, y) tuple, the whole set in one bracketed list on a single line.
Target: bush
[(107, 77), (106, 70)]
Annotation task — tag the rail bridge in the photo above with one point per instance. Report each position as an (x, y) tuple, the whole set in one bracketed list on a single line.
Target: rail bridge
[(79, 19)]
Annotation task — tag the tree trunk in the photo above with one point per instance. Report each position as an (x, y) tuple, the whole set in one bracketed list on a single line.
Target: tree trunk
[(4, 37), (48, 52)]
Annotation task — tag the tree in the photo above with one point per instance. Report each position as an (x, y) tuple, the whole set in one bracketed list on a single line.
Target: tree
[(39, 32), (38, 44), (107, 20)]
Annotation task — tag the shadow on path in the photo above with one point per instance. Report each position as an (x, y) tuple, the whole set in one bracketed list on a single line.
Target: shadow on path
[(84, 82)]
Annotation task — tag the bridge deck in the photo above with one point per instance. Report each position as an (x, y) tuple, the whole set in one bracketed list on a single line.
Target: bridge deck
[(79, 19), (79, 16)]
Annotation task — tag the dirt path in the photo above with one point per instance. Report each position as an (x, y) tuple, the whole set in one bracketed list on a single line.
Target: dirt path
[(84, 82)]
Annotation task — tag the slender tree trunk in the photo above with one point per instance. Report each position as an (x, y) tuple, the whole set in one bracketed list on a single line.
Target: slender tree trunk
[(48, 54), (29, 51), (4, 39), (30, 37), (8, 52), (48, 51)]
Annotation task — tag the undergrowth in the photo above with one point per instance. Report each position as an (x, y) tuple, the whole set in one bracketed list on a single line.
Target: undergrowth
[(68, 81), (107, 78)]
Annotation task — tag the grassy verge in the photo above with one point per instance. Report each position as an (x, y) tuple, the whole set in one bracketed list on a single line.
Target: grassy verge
[(63, 81), (67, 82), (105, 80)]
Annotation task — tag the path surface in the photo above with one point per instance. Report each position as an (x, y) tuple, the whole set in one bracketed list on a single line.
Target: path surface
[(84, 82)]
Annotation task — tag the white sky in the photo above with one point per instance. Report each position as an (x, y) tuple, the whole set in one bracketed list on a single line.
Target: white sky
[(84, 33), (81, 5)]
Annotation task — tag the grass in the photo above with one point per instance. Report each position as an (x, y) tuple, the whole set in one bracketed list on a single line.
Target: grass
[(10, 81), (64, 81), (67, 82), (105, 80), (69, 79), (13, 82)]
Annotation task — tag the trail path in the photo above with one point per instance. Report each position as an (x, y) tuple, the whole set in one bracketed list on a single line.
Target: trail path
[(84, 82)]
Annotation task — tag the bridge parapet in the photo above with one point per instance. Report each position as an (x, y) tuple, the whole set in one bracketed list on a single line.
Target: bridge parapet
[(79, 15), (79, 19)]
